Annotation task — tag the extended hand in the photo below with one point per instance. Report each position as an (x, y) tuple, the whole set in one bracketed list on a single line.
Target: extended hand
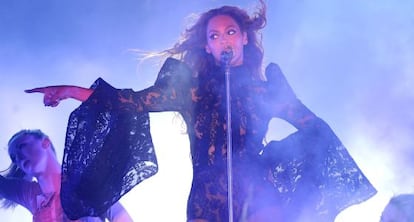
[(52, 95)]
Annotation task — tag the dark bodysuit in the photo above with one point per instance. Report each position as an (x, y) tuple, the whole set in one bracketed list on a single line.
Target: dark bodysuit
[(309, 171)]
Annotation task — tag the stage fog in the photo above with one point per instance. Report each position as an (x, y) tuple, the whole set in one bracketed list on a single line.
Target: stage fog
[(351, 62)]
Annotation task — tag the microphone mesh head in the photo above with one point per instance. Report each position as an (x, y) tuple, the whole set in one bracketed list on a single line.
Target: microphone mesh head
[(226, 56)]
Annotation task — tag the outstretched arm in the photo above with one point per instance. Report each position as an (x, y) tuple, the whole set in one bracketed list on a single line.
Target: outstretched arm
[(168, 93), (52, 95)]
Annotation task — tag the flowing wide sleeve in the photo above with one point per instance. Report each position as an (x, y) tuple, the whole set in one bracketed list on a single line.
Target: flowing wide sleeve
[(108, 151), (312, 169)]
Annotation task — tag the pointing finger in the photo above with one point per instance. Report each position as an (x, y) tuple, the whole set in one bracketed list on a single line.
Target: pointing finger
[(35, 90)]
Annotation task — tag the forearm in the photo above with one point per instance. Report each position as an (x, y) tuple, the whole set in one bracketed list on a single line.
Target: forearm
[(78, 93), (52, 95)]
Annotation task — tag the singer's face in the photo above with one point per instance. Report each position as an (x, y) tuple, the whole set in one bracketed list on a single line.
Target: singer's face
[(223, 33)]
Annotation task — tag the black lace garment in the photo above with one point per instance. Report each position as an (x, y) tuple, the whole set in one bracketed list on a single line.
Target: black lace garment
[(108, 150), (308, 172)]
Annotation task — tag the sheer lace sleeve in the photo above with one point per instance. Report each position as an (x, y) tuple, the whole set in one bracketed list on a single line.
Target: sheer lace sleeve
[(314, 161), (170, 92), (108, 150), (311, 167)]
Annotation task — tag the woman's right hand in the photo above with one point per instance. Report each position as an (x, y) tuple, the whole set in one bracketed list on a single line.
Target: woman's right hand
[(52, 95)]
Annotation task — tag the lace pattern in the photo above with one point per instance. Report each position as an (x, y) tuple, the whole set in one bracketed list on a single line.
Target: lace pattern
[(316, 172), (108, 150)]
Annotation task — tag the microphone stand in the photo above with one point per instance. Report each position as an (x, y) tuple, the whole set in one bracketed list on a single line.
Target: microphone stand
[(226, 58)]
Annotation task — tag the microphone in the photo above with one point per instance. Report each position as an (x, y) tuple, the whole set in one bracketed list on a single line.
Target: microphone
[(226, 56)]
